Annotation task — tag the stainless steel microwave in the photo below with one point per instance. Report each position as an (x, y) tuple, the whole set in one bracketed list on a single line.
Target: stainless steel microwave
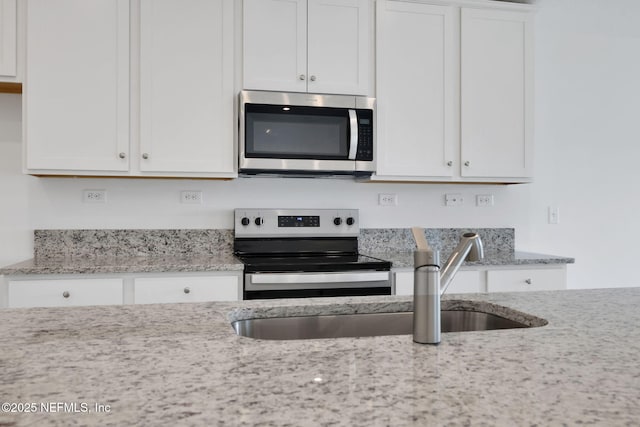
[(306, 134)]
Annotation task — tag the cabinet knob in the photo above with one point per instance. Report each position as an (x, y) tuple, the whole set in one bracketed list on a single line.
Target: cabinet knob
[(302, 77), (312, 78), (449, 163), (66, 294), (467, 163), (145, 156), (122, 155), (187, 290), (528, 281)]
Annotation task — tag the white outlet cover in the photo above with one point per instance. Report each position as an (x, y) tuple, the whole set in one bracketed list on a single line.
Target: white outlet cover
[(94, 196), (193, 197), (484, 200), (387, 199)]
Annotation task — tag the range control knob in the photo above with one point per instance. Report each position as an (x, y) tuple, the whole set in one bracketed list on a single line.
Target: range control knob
[(245, 221), (337, 220), (259, 221), (350, 221)]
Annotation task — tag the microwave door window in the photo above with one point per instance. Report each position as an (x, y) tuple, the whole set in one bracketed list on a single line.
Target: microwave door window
[(295, 136)]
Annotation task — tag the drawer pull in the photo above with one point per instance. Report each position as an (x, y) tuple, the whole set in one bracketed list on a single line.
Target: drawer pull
[(66, 294), (187, 290), (528, 281)]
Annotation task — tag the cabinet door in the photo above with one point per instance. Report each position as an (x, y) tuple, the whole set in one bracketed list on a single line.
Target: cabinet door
[(416, 81), (496, 93), (77, 85), (275, 45), (338, 46), (526, 280), (65, 292), (186, 289), (186, 83), (8, 39)]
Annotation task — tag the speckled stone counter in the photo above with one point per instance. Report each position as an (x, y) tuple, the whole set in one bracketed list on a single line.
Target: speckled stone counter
[(182, 364), (140, 264), (404, 259)]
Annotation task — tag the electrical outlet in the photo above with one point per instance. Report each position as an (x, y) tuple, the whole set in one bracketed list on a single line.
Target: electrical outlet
[(453, 200), (554, 215), (192, 197), (388, 199), (94, 196), (484, 200)]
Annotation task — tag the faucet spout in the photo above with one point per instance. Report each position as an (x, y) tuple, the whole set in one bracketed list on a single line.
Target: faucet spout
[(470, 248)]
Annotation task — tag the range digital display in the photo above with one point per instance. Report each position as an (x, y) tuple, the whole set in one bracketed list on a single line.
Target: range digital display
[(299, 221)]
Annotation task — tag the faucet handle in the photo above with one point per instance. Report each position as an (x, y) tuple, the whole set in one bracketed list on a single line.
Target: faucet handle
[(425, 255), (421, 241)]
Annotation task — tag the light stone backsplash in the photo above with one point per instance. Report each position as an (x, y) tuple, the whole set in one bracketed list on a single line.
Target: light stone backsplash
[(442, 239), (134, 243), (194, 242)]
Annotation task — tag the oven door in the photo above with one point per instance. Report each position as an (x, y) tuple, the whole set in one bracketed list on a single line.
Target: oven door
[(316, 284)]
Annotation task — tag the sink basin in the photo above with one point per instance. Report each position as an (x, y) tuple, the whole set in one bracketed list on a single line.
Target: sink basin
[(365, 325)]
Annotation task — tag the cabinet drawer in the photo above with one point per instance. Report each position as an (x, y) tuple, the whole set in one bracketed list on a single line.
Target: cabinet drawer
[(526, 280), (468, 281), (186, 289), (64, 292), (403, 282)]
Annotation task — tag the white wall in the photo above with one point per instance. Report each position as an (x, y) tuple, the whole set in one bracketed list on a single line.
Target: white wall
[(15, 228), (587, 138)]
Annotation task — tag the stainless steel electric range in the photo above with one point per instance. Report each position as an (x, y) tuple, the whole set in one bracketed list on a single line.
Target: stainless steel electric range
[(297, 253)]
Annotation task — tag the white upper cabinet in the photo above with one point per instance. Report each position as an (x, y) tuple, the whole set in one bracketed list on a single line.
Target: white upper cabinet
[(416, 85), (177, 56), (318, 46), (77, 85), (454, 92), (186, 87), (275, 44), (8, 40), (496, 93)]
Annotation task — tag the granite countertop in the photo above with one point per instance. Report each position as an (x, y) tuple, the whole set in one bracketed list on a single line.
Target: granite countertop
[(226, 262), (182, 364), (404, 259), (125, 264)]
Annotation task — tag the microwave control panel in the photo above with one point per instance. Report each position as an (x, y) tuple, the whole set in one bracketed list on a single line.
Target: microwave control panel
[(365, 135)]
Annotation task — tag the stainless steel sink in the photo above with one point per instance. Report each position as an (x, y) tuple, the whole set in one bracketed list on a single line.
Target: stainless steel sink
[(365, 325)]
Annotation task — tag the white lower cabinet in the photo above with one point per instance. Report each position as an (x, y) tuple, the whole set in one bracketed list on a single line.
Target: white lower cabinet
[(466, 281), (186, 289), (117, 289), (494, 279), (65, 292), (526, 280)]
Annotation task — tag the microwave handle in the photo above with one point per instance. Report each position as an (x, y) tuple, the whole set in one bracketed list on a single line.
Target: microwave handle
[(353, 140)]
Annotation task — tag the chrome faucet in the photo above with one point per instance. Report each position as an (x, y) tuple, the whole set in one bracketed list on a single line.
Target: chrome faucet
[(430, 282)]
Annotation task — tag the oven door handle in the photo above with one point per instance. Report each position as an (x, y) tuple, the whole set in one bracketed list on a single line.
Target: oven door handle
[(280, 278)]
